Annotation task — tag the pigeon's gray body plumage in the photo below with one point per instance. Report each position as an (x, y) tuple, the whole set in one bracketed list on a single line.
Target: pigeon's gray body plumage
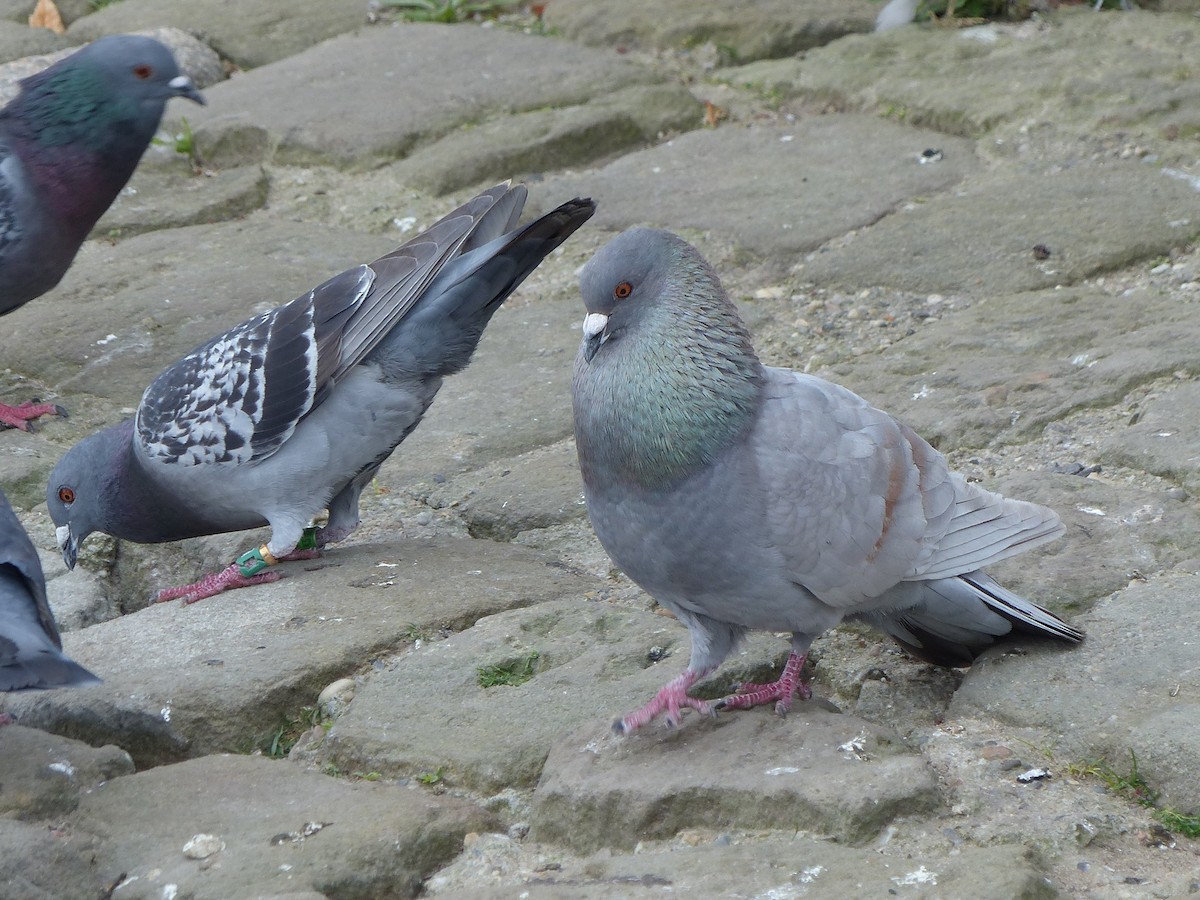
[(293, 411), (31, 656), (69, 143), (747, 497)]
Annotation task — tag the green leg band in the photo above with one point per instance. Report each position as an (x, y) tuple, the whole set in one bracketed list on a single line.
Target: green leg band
[(308, 540), (251, 563)]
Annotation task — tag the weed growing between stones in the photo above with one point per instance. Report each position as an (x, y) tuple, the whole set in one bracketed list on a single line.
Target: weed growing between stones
[(1134, 787), (289, 730)]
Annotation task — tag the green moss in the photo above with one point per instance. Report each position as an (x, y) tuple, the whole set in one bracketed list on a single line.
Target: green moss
[(511, 672)]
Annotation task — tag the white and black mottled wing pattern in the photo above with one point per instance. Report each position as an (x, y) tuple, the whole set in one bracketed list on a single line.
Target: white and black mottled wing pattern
[(239, 397)]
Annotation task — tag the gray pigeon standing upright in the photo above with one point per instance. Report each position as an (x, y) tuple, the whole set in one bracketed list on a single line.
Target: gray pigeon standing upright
[(31, 656), (742, 496), (68, 143), (294, 411)]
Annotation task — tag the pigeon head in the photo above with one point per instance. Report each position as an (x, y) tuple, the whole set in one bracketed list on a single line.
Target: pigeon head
[(666, 376), (113, 90), (85, 488), (138, 69), (81, 125)]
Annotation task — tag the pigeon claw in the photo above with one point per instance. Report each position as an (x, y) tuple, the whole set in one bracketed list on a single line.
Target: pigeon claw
[(782, 691), (672, 700), (19, 416), (212, 584)]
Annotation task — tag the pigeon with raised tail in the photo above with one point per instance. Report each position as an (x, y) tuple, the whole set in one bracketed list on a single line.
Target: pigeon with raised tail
[(69, 143), (31, 656), (292, 412), (747, 497)]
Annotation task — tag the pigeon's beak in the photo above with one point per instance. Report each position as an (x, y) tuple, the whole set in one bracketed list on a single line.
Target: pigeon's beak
[(182, 86), (68, 543), (594, 334)]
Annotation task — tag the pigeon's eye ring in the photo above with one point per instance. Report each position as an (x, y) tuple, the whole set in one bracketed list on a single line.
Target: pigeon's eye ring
[(66, 495), (623, 290), (143, 71)]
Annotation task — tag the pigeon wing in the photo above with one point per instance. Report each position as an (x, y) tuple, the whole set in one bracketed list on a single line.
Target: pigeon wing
[(855, 501), (859, 502), (239, 397)]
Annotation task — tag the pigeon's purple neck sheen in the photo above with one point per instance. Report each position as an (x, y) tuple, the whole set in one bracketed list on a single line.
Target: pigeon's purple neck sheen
[(78, 140), (673, 390)]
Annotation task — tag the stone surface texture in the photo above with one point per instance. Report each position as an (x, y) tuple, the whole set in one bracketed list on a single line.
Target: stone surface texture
[(990, 231)]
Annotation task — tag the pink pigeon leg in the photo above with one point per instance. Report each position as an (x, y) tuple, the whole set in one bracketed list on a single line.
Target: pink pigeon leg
[(782, 691), (18, 416), (296, 555), (212, 584), (671, 699), (6, 719)]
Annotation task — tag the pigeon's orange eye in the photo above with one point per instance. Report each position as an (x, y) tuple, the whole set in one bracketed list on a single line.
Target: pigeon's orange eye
[(623, 290), (66, 495), (143, 71)]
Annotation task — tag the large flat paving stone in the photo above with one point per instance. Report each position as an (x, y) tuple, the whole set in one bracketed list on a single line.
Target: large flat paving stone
[(45, 774), (38, 865), (380, 94), (777, 191), (816, 771), (172, 196), (980, 238), (570, 662), (1130, 687), (541, 140), (249, 33), (1004, 367), (222, 674), (1162, 438), (743, 29), (1073, 76), (773, 866), (275, 830)]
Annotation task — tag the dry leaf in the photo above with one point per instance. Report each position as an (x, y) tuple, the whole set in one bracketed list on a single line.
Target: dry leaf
[(45, 15), (713, 114)]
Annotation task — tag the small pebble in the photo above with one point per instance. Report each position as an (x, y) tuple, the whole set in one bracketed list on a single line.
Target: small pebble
[(424, 518), (334, 698), (202, 846)]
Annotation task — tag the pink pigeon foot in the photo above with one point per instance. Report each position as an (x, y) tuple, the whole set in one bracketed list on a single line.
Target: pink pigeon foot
[(671, 699), (781, 691), (18, 416), (6, 719), (213, 584)]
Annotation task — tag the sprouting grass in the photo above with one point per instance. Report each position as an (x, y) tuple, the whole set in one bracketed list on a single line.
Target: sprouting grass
[(448, 10), (183, 143), (285, 735), (514, 672), (434, 777), (1134, 787)]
